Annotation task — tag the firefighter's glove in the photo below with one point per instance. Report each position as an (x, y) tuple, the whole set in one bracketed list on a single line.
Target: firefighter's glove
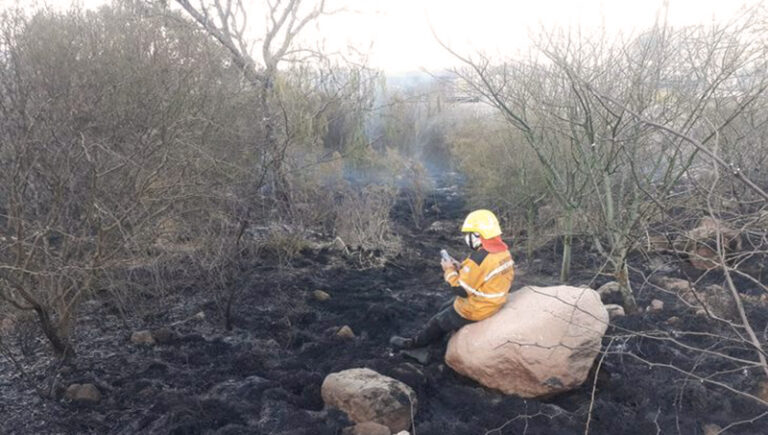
[(448, 266)]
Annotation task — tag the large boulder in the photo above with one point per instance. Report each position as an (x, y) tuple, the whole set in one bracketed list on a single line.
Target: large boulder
[(367, 396), (542, 342)]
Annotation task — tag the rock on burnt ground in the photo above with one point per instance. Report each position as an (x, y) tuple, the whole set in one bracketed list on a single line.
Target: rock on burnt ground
[(543, 341)]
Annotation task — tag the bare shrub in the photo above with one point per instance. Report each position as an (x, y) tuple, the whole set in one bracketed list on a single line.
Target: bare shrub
[(362, 221), (95, 152), (501, 171), (414, 182)]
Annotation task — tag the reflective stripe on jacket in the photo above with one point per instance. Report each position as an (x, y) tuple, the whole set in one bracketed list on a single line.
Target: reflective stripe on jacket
[(486, 279)]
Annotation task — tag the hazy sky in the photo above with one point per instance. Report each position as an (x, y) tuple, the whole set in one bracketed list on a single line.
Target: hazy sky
[(397, 36)]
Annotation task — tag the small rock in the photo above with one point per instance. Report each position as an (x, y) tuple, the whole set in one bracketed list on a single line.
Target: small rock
[(85, 393), (701, 312), (142, 338), (711, 429), (610, 292), (674, 320), (346, 332), (163, 335), (698, 241), (614, 311), (656, 305), (199, 316), (367, 428), (321, 295), (404, 432)]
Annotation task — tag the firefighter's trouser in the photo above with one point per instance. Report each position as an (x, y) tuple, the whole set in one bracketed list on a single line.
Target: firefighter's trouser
[(445, 321)]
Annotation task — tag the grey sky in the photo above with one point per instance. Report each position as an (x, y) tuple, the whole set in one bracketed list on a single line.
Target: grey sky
[(397, 37)]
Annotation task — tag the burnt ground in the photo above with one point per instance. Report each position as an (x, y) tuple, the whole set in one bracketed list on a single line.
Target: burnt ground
[(264, 376)]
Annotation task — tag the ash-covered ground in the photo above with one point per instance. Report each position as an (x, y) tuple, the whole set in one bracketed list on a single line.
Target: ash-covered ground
[(264, 376)]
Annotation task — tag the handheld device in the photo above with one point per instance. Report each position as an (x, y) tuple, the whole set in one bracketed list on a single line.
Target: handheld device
[(446, 256)]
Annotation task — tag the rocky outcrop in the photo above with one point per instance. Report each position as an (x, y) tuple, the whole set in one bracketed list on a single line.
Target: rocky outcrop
[(542, 342), (367, 396)]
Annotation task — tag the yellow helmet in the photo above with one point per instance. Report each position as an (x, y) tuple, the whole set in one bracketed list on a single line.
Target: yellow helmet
[(483, 222)]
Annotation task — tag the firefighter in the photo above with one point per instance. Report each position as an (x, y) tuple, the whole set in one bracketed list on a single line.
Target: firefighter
[(481, 282)]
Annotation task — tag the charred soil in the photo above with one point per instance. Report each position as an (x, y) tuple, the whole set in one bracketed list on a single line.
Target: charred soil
[(264, 375)]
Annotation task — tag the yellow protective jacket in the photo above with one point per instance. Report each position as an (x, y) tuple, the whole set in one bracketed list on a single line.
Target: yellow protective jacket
[(484, 280)]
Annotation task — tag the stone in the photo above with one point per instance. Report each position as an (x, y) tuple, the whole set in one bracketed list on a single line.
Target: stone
[(656, 305), (711, 429), (367, 428), (367, 396), (345, 332), (714, 298), (320, 295), (614, 311), (199, 316), (142, 338), (674, 321), (701, 241), (542, 342), (609, 291), (83, 393)]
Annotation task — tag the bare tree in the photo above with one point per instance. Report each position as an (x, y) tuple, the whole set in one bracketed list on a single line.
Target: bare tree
[(601, 161), (228, 22)]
